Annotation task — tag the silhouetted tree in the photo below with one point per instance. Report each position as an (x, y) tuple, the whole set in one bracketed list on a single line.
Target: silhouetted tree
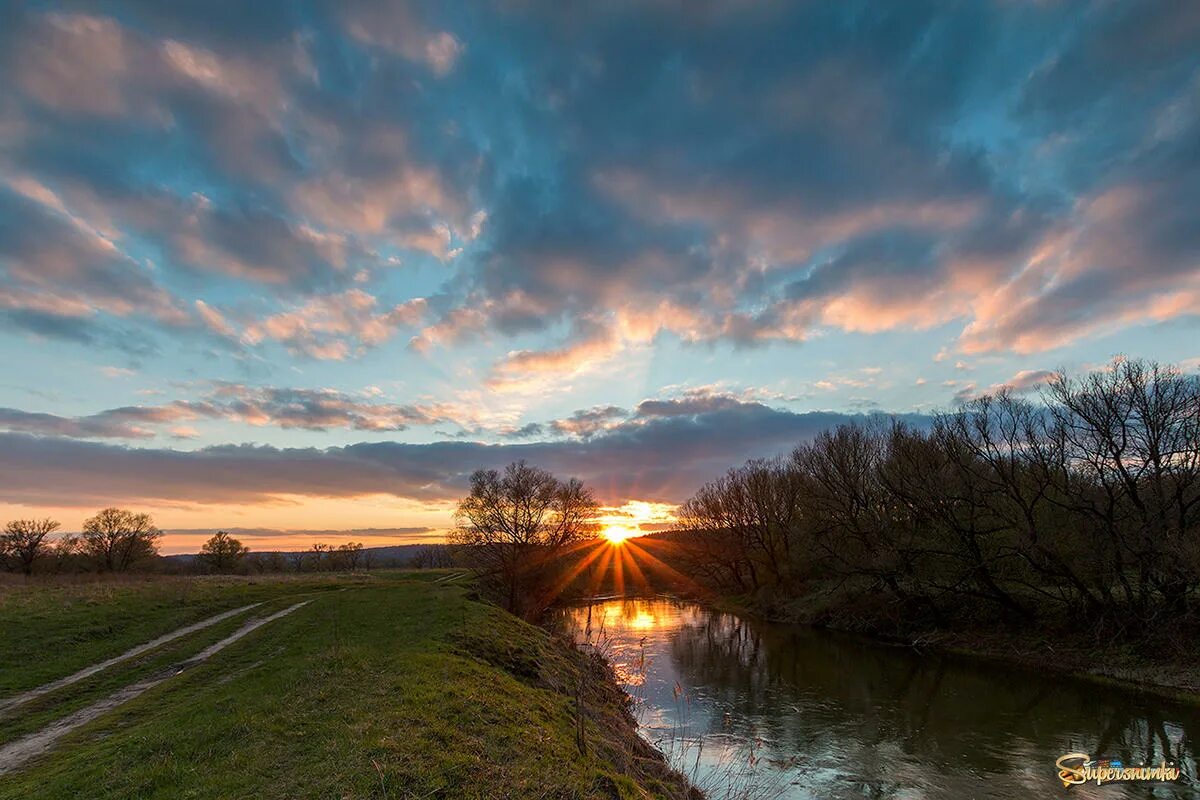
[(1084, 502), (67, 554), (117, 539), (514, 525), (755, 507), (350, 554), (320, 556), (24, 542), (432, 556), (222, 553)]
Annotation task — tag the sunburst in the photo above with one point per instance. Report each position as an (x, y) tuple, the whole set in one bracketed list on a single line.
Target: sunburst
[(617, 534)]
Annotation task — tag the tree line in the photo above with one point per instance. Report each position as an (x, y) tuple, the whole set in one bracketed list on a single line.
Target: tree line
[(114, 540), (1083, 501), (117, 540)]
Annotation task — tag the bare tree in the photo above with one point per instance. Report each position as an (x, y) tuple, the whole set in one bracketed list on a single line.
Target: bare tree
[(433, 556), (322, 556), (117, 539), (257, 562), (350, 554), (514, 526), (1088, 501), (222, 553), (24, 542), (1131, 437), (66, 553), (854, 522), (756, 510)]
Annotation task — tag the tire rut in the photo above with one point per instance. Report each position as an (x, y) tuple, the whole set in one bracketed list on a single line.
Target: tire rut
[(14, 754), (10, 703)]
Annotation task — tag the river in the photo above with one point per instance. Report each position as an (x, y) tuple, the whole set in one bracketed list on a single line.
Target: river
[(762, 710)]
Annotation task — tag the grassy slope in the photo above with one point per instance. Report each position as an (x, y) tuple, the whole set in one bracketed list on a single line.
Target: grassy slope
[(394, 689)]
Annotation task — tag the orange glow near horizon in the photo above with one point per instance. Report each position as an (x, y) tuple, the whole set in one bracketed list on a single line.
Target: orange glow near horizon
[(619, 563), (286, 522), (617, 534), (296, 522), (634, 518)]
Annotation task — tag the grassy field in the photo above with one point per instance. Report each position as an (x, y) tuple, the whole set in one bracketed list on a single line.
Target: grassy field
[(385, 686), (52, 628)]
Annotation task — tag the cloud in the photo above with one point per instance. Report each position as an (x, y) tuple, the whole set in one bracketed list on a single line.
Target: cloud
[(117, 423), (670, 206), (691, 403), (75, 62), (257, 246), (286, 408), (204, 142), (374, 184), (215, 320), (1025, 381), (319, 409), (721, 178), (1130, 255), (525, 369), (526, 431), (334, 327), (395, 27), (661, 460), (587, 423), (855, 192), (60, 275)]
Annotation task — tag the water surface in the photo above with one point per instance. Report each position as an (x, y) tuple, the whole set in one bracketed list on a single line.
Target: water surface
[(768, 710)]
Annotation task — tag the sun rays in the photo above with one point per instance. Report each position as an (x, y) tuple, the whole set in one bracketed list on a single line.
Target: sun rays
[(621, 563), (617, 534)]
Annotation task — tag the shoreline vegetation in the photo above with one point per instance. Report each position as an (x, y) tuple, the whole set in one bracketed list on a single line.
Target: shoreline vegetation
[(1057, 531), (387, 685), (1124, 666)]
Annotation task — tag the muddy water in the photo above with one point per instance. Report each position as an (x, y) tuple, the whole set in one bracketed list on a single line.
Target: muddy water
[(764, 710)]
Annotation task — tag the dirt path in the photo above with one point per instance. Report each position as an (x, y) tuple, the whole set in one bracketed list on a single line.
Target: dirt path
[(14, 754), (24, 697)]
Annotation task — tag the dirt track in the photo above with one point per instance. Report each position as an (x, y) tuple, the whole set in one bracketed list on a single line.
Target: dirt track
[(24, 697), (16, 753)]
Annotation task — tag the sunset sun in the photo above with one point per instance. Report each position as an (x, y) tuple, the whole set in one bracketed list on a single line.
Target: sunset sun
[(617, 534)]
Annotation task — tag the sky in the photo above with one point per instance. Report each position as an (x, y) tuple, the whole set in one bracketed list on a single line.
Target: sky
[(297, 269)]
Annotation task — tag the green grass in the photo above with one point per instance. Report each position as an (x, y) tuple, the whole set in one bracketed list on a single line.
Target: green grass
[(395, 688), (52, 629)]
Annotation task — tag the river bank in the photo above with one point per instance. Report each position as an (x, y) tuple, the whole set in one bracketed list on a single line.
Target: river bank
[(385, 685), (1157, 663)]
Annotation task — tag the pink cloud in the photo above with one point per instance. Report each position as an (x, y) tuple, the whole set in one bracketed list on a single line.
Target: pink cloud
[(335, 326), (1116, 262), (396, 28)]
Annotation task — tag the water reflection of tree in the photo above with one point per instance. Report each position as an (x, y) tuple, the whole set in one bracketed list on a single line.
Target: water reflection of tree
[(808, 693)]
